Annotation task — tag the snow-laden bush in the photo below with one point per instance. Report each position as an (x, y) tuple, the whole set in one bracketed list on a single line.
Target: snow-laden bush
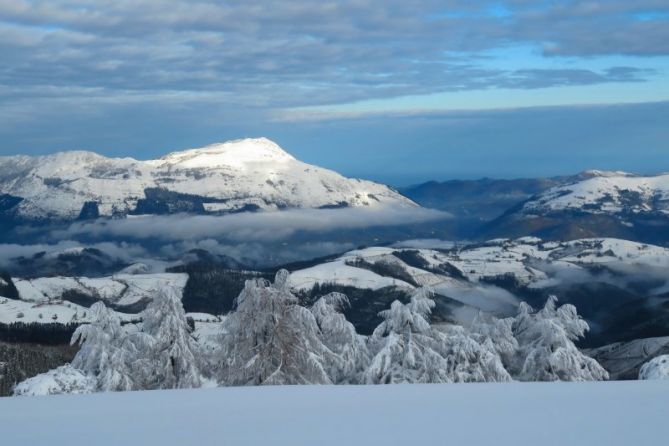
[(63, 380), (656, 368), (546, 345)]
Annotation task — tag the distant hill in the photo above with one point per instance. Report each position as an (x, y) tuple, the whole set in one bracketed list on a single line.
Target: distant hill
[(483, 199), (607, 204)]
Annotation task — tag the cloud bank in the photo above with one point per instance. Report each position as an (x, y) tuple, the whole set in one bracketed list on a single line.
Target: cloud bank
[(248, 227)]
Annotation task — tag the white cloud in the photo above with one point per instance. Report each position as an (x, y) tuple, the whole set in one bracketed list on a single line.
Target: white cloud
[(249, 227)]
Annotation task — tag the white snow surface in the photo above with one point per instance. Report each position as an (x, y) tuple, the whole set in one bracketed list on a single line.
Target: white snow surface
[(231, 174), (547, 414), (606, 192)]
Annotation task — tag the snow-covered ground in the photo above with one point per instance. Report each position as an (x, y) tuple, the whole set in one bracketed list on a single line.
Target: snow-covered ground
[(546, 414)]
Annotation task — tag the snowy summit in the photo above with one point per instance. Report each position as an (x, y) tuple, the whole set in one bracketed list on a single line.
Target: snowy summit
[(236, 153)]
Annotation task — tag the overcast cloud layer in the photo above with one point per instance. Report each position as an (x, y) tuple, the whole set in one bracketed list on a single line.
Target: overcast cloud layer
[(140, 77)]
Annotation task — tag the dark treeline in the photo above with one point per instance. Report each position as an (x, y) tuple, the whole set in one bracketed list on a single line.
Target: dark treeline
[(51, 333), (211, 288), (7, 287), (364, 304)]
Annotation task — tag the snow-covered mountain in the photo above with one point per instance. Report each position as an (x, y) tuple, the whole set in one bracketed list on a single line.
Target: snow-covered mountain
[(605, 192), (600, 204), (248, 174)]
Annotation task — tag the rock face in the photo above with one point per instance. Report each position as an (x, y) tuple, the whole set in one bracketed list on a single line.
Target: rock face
[(242, 175)]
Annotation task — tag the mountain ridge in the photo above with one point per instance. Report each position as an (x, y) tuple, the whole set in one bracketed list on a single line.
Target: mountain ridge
[(233, 176)]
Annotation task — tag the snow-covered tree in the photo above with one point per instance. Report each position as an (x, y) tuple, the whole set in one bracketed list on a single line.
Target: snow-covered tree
[(271, 339), (170, 357), (656, 368), (497, 336), (546, 345), (469, 360), (105, 352), (410, 350), (406, 351), (351, 355)]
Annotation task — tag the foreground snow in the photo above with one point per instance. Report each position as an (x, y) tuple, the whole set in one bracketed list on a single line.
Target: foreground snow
[(613, 413)]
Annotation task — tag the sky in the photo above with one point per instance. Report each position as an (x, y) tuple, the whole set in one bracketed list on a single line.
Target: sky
[(399, 91)]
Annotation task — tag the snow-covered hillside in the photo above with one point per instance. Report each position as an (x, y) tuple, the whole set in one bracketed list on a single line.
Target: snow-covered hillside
[(66, 299), (232, 176), (465, 273), (549, 414), (621, 287), (605, 192)]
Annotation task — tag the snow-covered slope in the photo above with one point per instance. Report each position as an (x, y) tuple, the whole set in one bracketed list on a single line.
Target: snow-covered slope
[(547, 414), (120, 289), (237, 175), (619, 286), (529, 260), (66, 299), (605, 192)]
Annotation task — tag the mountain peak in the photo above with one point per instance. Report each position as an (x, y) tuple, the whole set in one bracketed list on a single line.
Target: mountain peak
[(231, 153)]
